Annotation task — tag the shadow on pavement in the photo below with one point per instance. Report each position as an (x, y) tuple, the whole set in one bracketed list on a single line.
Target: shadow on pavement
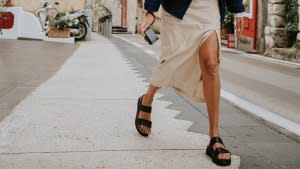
[(24, 65)]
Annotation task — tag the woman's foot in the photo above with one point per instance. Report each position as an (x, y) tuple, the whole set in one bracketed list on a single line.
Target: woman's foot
[(217, 152), (143, 118)]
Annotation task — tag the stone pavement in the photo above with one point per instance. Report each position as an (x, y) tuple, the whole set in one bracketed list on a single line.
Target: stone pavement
[(83, 117), (24, 65)]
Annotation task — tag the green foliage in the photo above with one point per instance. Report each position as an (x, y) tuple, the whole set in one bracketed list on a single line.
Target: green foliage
[(293, 27), (229, 18), (61, 23), (291, 15)]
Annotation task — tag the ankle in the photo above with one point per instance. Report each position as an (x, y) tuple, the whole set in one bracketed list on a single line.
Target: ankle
[(214, 134), (147, 100)]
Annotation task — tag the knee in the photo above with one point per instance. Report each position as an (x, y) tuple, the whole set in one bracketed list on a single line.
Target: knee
[(211, 68)]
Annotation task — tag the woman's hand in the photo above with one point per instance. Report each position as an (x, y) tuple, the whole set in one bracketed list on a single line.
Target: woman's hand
[(147, 21), (239, 24)]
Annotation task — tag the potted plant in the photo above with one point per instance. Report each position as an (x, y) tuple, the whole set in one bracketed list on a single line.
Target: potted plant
[(228, 27), (291, 17), (60, 26)]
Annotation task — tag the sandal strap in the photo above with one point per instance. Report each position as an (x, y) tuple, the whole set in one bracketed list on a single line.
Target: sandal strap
[(144, 122), (215, 140), (143, 108), (220, 150)]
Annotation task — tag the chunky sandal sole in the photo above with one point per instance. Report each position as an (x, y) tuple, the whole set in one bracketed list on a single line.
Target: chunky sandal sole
[(213, 154), (139, 122), (210, 153)]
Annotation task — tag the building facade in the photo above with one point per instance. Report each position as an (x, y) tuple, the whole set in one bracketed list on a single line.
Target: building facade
[(124, 12), (265, 29), (264, 26), (65, 5)]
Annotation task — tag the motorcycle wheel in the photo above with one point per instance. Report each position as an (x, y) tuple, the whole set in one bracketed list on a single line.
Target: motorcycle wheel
[(82, 32)]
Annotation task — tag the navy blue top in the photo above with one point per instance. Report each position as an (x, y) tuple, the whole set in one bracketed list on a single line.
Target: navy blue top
[(178, 8)]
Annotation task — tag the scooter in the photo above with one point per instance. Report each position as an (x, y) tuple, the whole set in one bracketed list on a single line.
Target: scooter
[(42, 14), (81, 24)]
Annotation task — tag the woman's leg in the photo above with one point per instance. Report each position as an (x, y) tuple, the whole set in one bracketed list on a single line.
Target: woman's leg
[(209, 63), (147, 101)]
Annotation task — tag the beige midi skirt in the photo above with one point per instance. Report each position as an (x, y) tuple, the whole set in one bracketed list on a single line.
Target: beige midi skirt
[(179, 66)]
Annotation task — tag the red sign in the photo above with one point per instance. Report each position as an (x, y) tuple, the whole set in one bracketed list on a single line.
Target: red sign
[(6, 20)]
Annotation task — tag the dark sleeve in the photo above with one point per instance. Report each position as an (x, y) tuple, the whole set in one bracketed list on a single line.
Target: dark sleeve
[(235, 6), (152, 5)]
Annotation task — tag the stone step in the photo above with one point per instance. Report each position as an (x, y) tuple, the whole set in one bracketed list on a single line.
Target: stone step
[(290, 54)]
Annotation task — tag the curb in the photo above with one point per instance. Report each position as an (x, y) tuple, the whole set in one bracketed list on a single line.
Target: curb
[(282, 125), (263, 58)]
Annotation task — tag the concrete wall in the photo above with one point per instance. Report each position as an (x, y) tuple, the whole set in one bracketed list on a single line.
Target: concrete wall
[(65, 5)]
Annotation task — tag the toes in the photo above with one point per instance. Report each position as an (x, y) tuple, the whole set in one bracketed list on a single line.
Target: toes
[(145, 129), (224, 156), (221, 157), (148, 130), (141, 127)]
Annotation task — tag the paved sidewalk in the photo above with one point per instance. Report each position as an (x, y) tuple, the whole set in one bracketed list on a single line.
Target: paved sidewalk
[(83, 117), (25, 65)]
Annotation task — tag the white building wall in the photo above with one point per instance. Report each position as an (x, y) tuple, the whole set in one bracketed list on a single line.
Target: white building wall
[(132, 14), (65, 5)]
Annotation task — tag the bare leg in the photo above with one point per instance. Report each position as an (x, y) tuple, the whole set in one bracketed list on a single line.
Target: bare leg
[(209, 57), (147, 101)]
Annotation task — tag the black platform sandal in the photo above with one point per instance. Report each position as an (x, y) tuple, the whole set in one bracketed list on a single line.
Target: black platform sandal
[(144, 122), (213, 154)]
